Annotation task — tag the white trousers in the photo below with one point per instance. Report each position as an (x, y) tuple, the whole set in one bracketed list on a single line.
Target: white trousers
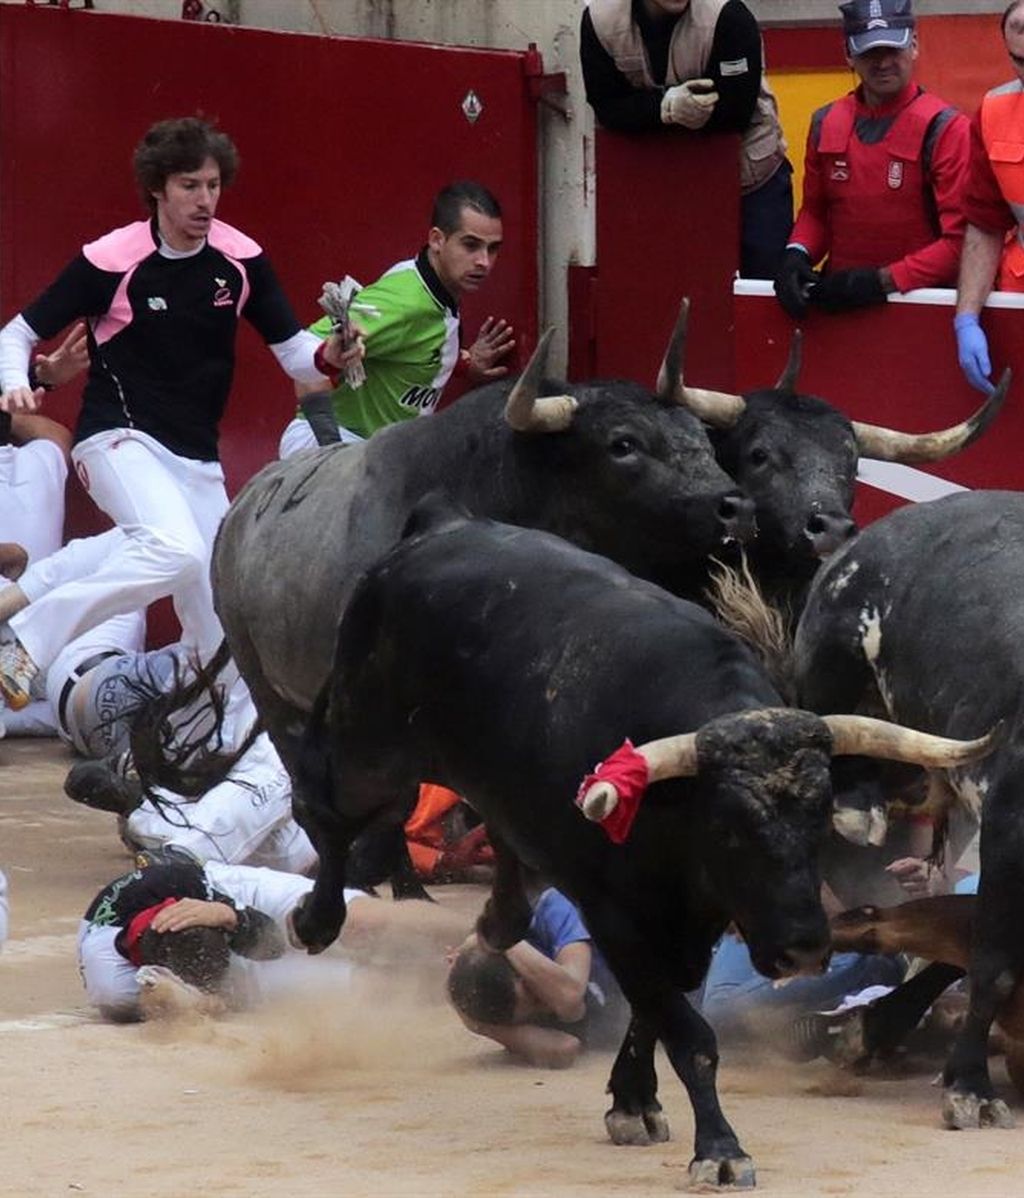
[(168, 509), (246, 819), (124, 633)]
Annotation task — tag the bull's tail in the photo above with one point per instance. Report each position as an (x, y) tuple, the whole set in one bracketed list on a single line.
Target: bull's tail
[(177, 735)]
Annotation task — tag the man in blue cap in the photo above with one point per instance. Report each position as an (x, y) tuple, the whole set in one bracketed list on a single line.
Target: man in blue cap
[(883, 178)]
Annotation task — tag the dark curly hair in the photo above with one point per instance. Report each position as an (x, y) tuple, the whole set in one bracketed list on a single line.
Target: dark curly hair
[(181, 144)]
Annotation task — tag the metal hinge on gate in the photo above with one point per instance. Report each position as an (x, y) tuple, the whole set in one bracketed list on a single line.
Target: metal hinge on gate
[(551, 89)]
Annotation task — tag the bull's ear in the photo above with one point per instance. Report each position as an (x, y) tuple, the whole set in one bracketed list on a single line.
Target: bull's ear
[(526, 410)]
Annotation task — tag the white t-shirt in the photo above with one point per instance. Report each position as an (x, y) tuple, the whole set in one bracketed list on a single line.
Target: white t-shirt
[(32, 479)]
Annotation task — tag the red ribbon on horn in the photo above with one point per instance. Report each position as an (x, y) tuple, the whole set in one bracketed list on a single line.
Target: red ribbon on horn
[(625, 770)]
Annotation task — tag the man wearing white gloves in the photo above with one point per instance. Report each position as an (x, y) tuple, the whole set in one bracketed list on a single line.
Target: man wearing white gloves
[(696, 65)]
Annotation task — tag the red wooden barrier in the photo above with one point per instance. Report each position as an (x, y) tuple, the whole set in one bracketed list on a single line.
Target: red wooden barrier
[(895, 365), (667, 226)]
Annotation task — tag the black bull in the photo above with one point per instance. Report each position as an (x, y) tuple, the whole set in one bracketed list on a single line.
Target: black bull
[(795, 456), (925, 607), (609, 466), (504, 662)]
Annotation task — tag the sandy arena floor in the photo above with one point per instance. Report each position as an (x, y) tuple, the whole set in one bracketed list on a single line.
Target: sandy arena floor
[(375, 1089)]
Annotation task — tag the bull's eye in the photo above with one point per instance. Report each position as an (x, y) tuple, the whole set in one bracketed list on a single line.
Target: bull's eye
[(758, 456), (623, 447)]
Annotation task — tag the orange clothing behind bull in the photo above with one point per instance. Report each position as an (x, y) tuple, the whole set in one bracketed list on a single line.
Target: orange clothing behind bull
[(433, 853)]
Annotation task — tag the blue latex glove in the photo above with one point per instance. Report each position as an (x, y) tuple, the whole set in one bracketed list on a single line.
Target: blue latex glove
[(972, 350)]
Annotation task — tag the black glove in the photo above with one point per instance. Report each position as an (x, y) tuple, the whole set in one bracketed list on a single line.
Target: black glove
[(846, 289), (795, 276)]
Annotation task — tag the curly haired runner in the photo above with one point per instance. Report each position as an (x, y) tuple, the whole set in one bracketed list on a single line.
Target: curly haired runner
[(162, 298)]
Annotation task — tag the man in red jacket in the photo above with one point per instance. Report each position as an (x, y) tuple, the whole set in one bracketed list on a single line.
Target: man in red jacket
[(883, 177)]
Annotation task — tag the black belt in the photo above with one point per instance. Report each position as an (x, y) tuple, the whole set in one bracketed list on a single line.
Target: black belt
[(76, 674)]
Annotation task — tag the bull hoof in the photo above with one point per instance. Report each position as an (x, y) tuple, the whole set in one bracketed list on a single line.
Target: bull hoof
[(995, 1113), (636, 1130), (704, 1176), (962, 1111), (626, 1129), (657, 1126), (304, 934), (848, 1047)]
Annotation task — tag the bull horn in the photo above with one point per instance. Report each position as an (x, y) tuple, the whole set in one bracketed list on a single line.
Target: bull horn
[(790, 376), (720, 409), (670, 757), (600, 801), (887, 445), (670, 376), (864, 736), (527, 411), (717, 408)]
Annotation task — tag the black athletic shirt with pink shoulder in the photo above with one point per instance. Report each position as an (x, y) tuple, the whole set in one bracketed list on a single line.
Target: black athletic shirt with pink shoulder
[(162, 330)]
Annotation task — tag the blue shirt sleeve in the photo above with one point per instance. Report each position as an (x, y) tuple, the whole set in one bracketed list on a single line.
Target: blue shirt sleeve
[(555, 923)]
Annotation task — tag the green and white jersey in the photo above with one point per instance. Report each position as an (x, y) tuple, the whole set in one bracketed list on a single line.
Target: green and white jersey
[(412, 344)]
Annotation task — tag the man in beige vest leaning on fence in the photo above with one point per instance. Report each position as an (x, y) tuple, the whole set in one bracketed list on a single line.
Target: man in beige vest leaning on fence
[(697, 65)]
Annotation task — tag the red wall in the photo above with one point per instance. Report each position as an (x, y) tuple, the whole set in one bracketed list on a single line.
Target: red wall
[(343, 142), (667, 226)]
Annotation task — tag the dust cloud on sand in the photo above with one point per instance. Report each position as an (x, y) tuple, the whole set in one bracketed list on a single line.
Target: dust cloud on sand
[(370, 1086)]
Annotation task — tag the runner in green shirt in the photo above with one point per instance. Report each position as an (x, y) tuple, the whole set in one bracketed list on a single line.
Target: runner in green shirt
[(409, 323)]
